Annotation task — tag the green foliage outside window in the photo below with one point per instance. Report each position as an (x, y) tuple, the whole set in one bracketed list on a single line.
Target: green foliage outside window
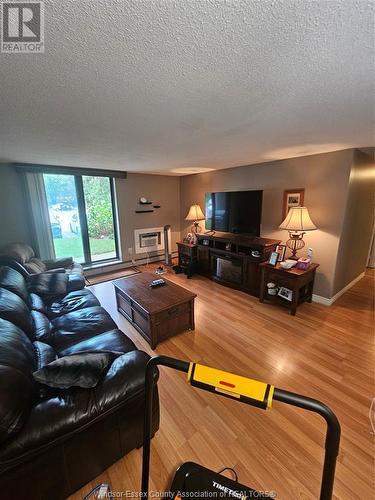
[(98, 207)]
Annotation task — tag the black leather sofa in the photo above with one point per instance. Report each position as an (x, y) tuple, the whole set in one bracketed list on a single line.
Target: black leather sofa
[(52, 444)]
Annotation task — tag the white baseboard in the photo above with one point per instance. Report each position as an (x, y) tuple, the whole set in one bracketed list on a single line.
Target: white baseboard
[(117, 266), (328, 302), (321, 300)]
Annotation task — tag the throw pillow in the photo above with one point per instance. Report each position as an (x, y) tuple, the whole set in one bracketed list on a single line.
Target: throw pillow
[(78, 370)]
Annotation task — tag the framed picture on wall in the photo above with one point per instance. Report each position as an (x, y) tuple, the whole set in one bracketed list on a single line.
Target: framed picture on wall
[(292, 198)]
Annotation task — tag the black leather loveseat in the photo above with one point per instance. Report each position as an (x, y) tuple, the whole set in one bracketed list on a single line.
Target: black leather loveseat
[(53, 443), (21, 257)]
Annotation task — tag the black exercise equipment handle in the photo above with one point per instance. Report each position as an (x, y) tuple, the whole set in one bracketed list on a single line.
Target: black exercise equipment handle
[(332, 435)]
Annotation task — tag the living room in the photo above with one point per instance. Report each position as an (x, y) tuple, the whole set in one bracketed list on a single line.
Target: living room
[(220, 214)]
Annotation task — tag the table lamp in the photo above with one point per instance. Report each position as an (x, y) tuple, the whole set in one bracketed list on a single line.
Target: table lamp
[(195, 214), (297, 222)]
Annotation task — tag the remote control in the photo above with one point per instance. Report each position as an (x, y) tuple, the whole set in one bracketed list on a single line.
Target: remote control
[(156, 283)]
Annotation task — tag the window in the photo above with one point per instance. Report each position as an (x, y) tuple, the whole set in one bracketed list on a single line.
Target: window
[(82, 217)]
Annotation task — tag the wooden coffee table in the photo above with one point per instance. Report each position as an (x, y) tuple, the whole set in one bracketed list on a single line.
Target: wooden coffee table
[(157, 313)]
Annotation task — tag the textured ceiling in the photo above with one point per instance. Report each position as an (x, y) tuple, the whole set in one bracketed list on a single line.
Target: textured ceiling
[(190, 85)]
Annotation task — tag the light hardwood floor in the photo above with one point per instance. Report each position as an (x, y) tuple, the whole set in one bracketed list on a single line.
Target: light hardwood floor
[(323, 352)]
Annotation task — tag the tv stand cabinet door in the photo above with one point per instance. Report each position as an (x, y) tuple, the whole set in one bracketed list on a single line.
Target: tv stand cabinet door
[(204, 260), (251, 277)]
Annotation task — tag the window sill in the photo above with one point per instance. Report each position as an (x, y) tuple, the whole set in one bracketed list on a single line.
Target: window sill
[(99, 265)]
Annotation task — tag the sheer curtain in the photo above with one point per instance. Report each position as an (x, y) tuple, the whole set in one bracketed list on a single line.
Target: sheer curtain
[(40, 216)]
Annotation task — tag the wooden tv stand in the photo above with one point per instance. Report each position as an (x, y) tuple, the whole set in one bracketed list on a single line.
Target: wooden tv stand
[(233, 259)]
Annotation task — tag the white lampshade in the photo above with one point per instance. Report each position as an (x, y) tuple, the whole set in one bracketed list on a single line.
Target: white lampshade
[(195, 213), (298, 219)]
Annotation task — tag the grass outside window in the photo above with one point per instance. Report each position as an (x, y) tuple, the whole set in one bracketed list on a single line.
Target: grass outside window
[(72, 247)]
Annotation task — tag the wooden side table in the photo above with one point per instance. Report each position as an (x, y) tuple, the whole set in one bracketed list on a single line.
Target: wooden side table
[(300, 281), (187, 257)]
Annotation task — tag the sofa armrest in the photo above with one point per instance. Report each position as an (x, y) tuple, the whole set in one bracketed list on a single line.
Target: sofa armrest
[(14, 264), (56, 419), (124, 380), (75, 282), (58, 263)]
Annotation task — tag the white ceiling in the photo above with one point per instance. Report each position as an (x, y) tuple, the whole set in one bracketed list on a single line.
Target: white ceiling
[(178, 86)]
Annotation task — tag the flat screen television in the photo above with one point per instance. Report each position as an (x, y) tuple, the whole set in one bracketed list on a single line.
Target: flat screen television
[(234, 212)]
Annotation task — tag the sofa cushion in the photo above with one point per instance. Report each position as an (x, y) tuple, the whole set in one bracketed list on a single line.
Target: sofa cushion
[(78, 370), (19, 251), (42, 326), (73, 301), (14, 282), (79, 325), (48, 284), (45, 354), (114, 340), (37, 303), (16, 349), (14, 309), (58, 417), (35, 266)]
